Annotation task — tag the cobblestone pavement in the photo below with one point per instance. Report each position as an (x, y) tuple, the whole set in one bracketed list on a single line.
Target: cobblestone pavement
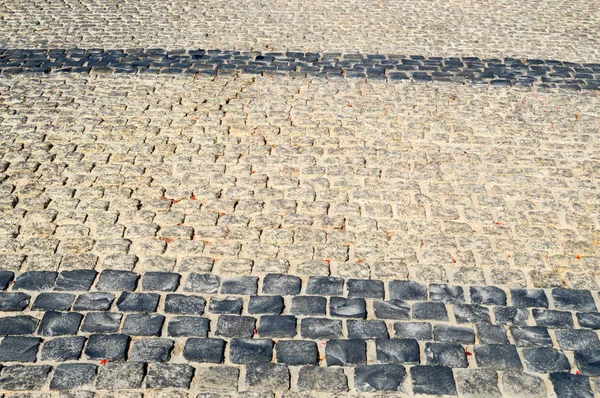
[(297, 199)]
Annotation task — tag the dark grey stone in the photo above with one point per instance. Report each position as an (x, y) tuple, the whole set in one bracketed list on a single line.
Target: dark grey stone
[(545, 360), (265, 305), (35, 281), (99, 301), (308, 305), (69, 376), (491, 334), (531, 336), (112, 347), (413, 330), (588, 362), (19, 349), (432, 380), (429, 310), (497, 356), (169, 375), (18, 325), (245, 285), (571, 299), (115, 280), (137, 302), (511, 315), (143, 324), (297, 352), (590, 320), (446, 293), (471, 313), (347, 308), (182, 304), (490, 295), (277, 326), (204, 350), (393, 309), (20, 377), (60, 323), (235, 326), (202, 283), (227, 305), (397, 351), (346, 352), (14, 301), (453, 334), (325, 286), (552, 318), (320, 328), (188, 326), (268, 377), (77, 280), (53, 302), (407, 290), (577, 340), (529, 298), (446, 354), (567, 385), (315, 378), (160, 281), (101, 322), (365, 288), (379, 378), (62, 349), (246, 351), (6, 277), (120, 376), (285, 285), (362, 329)]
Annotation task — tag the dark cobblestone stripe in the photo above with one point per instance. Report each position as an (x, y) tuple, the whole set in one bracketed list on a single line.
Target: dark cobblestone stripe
[(121, 330), (497, 72)]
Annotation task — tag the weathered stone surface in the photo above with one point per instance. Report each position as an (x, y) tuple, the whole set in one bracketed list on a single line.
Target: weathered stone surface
[(120, 376), (313, 378)]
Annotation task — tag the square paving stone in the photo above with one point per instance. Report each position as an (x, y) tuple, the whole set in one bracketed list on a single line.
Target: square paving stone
[(325, 286), (545, 360), (182, 304), (577, 340), (552, 318), (204, 350), (227, 305), (491, 334), (566, 384), (497, 356), (529, 298), (277, 326), (19, 349), (432, 380), (18, 325), (590, 320), (35, 281), (588, 362), (265, 305), (347, 308), (397, 351), (285, 285), (60, 323), (114, 280), (6, 277), (308, 305), (571, 299), (120, 376), (489, 295), (379, 378), (247, 351), (138, 302), (320, 328), (112, 347), (297, 352), (521, 384), (151, 350), (430, 311), (188, 326), (235, 326), (365, 288), (346, 352), (62, 349), (20, 377), (363, 329), (531, 336), (246, 285), (160, 281), (101, 322), (267, 377), (453, 334), (14, 301), (143, 325), (169, 375), (474, 383), (53, 302), (413, 330), (393, 309), (69, 376), (407, 290), (99, 301), (471, 313), (202, 283), (446, 354), (218, 378), (511, 315), (446, 293), (77, 280), (315, 378)]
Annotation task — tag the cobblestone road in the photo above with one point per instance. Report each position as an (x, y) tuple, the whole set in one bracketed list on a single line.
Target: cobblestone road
[(323, 222)]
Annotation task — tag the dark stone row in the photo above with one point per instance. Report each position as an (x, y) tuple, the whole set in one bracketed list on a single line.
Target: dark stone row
[(493, 71)]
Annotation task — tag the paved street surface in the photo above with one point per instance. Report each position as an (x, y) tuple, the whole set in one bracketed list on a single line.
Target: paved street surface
[(312, 199)]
